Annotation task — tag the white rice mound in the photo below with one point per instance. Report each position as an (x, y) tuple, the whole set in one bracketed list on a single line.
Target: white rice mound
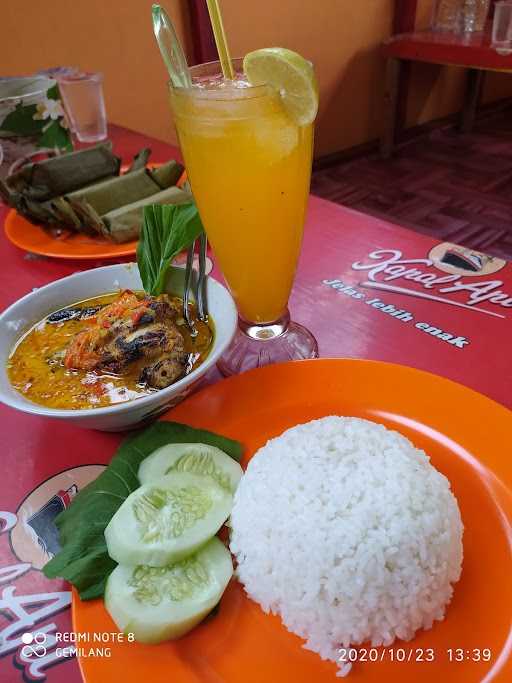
[(344, 529)]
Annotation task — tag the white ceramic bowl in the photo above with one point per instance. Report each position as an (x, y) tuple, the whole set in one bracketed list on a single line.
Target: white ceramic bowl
[(20, 317)]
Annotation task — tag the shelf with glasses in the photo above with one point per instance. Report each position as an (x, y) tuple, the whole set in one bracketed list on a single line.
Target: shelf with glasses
[(473, 51)]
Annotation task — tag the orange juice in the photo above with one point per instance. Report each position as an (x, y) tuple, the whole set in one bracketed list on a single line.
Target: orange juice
[(249, 165)]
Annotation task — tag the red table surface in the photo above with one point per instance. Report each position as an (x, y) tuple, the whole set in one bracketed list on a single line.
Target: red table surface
[(341, 293), (444, 47)]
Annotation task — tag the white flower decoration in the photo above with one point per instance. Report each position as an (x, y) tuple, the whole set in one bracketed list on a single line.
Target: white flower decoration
[(48, 109)]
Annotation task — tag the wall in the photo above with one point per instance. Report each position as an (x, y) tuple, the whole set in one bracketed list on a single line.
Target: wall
[(341, 37), (116, 38), (112, 36)]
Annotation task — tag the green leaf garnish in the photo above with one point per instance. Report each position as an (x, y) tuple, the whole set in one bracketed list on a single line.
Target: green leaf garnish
[(55, 136), (167, 229), (83, 559)]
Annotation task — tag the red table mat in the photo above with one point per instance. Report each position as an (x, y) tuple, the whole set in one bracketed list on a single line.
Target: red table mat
[(366, 288)]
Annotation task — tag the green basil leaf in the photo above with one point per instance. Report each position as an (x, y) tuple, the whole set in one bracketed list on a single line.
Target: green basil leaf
[(55, 136), (83, 559), (167, 229)]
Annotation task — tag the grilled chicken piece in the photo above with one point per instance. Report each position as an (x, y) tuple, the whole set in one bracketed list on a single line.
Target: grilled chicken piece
[(162, 373), (132, 330)]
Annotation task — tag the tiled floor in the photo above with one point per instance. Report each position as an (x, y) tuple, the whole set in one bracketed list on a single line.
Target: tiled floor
[(455, 187)]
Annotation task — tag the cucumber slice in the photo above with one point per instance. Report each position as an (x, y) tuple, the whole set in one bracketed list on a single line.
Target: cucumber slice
[(163, 522), (161, 603), (196, 458)]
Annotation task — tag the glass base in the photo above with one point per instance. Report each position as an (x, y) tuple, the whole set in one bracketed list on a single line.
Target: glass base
[(257, 345)]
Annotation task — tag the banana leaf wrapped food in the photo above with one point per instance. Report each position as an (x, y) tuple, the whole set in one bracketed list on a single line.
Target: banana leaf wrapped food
[(113, 208), (104, 203), (124, 224), (61, 174), (114, 193)]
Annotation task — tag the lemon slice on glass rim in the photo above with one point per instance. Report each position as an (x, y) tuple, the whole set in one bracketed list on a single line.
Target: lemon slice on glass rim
[(291, 75)]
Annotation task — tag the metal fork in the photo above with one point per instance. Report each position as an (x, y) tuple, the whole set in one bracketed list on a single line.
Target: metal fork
[(201, 289)]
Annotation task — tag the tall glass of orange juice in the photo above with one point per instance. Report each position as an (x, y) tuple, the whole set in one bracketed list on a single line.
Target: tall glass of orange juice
[(249, 165)]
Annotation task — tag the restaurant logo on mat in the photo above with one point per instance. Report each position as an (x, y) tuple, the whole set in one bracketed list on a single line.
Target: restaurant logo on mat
[(30, 606), (458, 260), (35, 537), (387, 270)]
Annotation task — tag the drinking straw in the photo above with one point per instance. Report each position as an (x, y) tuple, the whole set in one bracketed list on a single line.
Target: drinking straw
[(170, 48), (220, 39)]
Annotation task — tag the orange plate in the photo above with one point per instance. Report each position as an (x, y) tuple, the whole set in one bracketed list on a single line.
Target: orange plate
[(468, 438), (33, 238)]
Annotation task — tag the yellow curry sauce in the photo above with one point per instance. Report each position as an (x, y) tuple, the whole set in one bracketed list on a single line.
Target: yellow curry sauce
[(36, 366)]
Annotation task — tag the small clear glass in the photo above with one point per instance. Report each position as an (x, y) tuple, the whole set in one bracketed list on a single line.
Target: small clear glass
[(82, 94), (446, 15), (502, 27), (474, 15)]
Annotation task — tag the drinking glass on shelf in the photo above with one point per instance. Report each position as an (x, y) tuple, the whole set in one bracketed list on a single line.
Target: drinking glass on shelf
[(446, 15), (82, 94), (502, 26), (249, 166), (474, 15)]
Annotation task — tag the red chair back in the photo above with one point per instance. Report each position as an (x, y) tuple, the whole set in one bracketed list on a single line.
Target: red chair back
[(203, 42)]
